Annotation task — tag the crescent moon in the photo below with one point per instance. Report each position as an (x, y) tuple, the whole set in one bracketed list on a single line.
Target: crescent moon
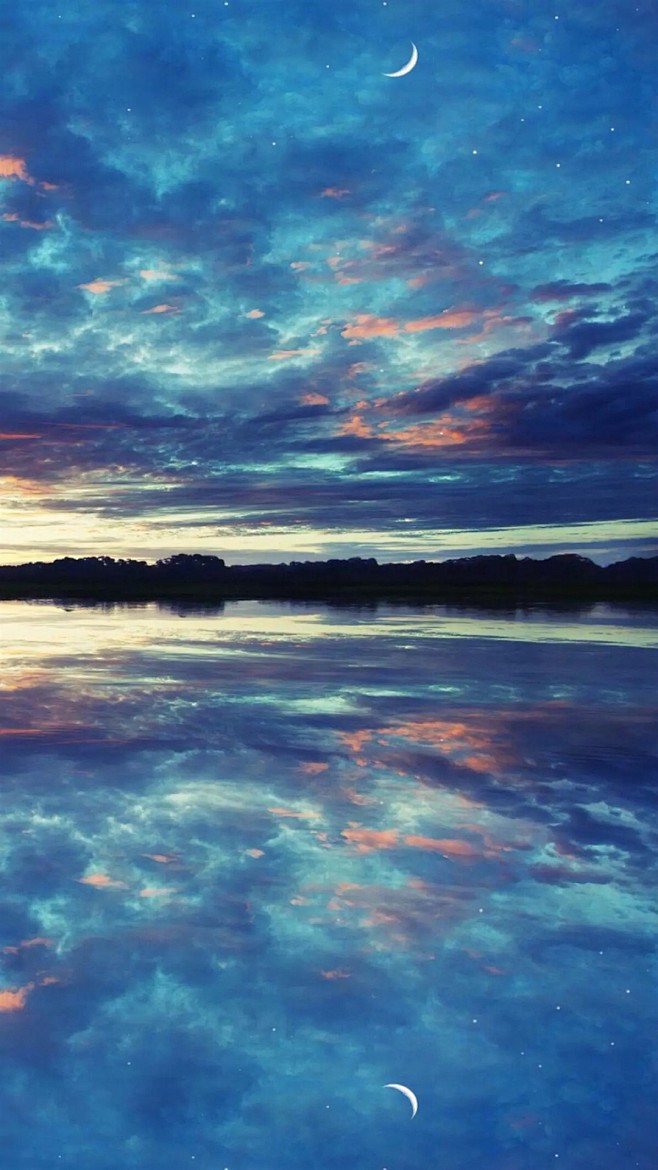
[(409, 66), (408, 1094)]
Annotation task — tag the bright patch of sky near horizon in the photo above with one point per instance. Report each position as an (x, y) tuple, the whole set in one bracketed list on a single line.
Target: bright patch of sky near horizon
[(261, 300)]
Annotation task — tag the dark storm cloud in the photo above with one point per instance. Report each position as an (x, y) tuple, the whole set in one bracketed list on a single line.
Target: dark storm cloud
[(481, 379), (583, 337), (564, 290), (547, 395)]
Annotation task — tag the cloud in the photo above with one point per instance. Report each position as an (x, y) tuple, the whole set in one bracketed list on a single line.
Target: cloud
[(37, 226), (368, 325), (156, 274), (99, 285), (585, 336), (12, 167), (162, 308), (14, 1001), (564, 290)]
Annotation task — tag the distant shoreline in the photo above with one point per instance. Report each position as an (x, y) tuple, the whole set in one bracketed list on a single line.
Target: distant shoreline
[(208, 579)]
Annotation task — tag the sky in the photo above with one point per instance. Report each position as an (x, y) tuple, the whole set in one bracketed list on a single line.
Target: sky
[(262, 300)]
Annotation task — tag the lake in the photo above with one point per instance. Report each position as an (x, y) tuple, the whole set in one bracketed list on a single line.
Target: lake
[(260, 862)]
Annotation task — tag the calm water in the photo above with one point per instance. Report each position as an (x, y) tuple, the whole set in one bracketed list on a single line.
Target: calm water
[(259, 863)]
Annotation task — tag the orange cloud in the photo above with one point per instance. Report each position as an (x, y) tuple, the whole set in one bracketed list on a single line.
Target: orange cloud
[(254, 313), (355, 739), (334, 192), (356, 426), (369, 325), (313, 399), (468, 743), (490, 197), (12, 217), (447, 846), (156, 891), (280, 354), (13, 1001), (312, 767), (355, 797), (156, 274), (397, 917), (13, 167), (39, 941), (366, 840), (455, 319), (22, 731), (380, 917), (99, 285), (100, 880), (493, 321), (435, 434), (290, 812), (162, 858), (479, 402), (421, 279), (336, 973), (255, 852), (164, 308)]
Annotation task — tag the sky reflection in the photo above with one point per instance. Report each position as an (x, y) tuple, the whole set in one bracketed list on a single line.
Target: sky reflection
[(260, 863)]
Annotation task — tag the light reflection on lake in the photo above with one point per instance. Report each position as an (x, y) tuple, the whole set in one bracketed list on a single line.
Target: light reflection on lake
[(258, 863)]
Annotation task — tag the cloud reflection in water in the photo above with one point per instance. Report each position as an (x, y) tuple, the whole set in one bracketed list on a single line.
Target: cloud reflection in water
[(258, 863)]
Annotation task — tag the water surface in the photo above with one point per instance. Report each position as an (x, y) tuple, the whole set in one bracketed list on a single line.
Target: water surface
[(259, 862)]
